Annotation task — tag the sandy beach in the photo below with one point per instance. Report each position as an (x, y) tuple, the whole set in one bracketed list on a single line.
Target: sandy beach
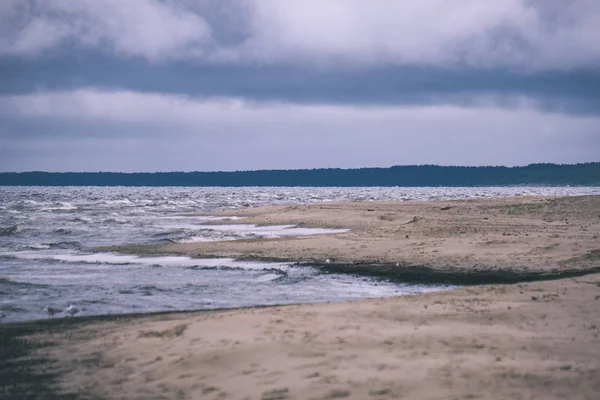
[(521, 234), (524, 340)]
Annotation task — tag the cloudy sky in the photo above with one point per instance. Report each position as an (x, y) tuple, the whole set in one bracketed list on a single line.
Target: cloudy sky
[(184, 85)]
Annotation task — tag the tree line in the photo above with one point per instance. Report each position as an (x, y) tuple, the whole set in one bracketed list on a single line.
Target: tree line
[(584, 174)]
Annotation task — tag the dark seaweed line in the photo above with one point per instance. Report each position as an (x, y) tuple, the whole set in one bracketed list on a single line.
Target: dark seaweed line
[(403, 273), (24, 376), (427, 275)]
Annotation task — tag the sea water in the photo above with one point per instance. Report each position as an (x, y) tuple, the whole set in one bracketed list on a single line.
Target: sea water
[(45, 233)]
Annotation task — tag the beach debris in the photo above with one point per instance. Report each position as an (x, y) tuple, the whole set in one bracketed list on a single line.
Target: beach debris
[(328, 261), (276, 394), (446, 208), (414, 220), (175, 331), (51, 311), (72, 310)]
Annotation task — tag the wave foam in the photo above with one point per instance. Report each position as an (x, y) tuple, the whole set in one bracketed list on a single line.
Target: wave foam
[(60, 207), (243, 231), (165, 261)]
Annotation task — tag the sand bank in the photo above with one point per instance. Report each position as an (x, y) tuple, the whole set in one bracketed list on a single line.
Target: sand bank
[(516, 234), (536, 340)]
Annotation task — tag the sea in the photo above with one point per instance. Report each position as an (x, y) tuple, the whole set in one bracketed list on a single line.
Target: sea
[(46, 234)]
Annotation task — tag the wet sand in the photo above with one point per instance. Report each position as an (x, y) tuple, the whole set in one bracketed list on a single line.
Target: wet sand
[(534, 340)]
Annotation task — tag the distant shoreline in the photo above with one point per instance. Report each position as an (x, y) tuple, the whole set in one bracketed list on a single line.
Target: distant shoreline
[(585, 174)]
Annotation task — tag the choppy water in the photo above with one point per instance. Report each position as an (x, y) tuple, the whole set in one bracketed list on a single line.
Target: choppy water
[(44, 233)]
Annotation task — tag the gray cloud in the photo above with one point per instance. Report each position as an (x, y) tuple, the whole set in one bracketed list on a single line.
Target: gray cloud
[(574, 91), (129, 131), (144, 85), (532, 34), (146, 28)]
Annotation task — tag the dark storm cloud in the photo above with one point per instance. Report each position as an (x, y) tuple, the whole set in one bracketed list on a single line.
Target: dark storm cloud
[(576, 91), (339, 51)]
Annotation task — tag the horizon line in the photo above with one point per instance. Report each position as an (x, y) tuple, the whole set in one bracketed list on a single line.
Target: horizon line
[(305, 169)]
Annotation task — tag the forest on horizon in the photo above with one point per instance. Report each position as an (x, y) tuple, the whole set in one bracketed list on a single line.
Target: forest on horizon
[(583, 174)]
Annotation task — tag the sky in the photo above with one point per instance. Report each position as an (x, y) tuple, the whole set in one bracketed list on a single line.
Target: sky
[(210, 85)]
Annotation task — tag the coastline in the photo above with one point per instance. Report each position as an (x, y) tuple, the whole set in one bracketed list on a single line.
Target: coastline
[(527, 235), (533, 340), (525, 340)]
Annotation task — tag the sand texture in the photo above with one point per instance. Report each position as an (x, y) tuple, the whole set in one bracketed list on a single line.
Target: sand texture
[(524, 341), (534, 340)]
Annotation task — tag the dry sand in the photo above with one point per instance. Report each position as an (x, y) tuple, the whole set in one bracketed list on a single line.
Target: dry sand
[(536, 340)]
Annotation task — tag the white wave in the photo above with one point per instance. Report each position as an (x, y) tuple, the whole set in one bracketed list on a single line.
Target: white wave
[(203, 217), (117, 202), (182, 202), (273, 230), (59, 207), (38, 246), (165, 261), (198, 239), (267, 278), (220, 236), (214, 233)]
